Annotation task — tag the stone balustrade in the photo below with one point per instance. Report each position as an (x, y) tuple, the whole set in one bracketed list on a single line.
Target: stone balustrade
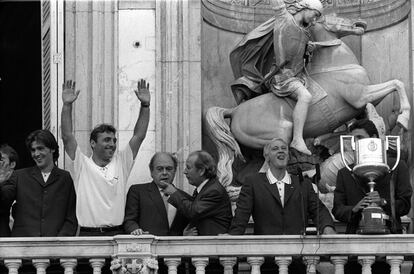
[(137, 254)]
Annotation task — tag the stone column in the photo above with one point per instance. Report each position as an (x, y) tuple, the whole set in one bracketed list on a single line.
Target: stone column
[(41, 265), (228, 264), (395, 263), (411, 73), (172, 264), (13, 265), (68, 265), (178, 68), (311, 263), (91, 50), (283, 263), (366, 262), (97, 264), (339, 263), (200, 264), (255, 263)]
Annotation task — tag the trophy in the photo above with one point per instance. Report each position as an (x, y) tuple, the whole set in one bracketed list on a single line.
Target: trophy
[(370, 156)]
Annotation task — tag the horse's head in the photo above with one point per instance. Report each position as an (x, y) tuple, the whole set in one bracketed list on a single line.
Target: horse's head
[(331, 26)]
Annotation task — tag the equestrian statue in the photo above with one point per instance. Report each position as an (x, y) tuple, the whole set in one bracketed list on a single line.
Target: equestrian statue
[(339, 86)]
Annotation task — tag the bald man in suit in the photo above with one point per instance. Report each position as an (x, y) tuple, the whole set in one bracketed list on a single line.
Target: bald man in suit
[(147, 209)]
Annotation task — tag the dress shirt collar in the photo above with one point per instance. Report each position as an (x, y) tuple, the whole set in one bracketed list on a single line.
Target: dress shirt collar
[(200, 187), (273, 180)]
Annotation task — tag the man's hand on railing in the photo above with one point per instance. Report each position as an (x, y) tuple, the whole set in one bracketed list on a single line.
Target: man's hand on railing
[(138, 232), (190, 231), (328, 230)]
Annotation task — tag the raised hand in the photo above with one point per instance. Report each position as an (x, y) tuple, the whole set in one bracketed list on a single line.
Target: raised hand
[(168, 189), (142, 92), (69, 95)]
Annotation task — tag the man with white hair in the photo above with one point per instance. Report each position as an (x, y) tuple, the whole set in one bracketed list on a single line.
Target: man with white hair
[(290, 27), (280, 203)]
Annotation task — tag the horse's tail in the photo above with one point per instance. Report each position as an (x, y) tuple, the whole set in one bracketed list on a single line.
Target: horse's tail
[(226, 144)]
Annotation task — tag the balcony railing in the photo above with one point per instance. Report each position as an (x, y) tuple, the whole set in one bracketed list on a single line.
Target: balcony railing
[(136, 252)]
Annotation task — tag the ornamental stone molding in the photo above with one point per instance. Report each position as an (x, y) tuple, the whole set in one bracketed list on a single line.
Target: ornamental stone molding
[(241, 16)]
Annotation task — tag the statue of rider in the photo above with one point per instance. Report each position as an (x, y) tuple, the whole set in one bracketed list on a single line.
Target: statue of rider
[(284, 40)]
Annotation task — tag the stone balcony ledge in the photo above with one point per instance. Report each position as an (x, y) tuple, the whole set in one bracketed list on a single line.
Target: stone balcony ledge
[(331, 248), (244, 245)]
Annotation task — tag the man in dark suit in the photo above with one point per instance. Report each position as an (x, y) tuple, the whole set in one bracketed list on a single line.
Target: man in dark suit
[(352, 195), (147, 209), (209, 209), (44, 194), (279, 202), (8, 163)]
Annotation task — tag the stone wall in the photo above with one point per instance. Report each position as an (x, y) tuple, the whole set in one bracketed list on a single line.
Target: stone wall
[(103, 57)]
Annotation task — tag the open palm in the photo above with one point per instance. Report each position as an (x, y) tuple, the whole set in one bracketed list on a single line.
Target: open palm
[(69, 95), (143, 92)]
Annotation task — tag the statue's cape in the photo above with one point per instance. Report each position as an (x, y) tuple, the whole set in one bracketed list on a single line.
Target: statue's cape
[(252, 57)]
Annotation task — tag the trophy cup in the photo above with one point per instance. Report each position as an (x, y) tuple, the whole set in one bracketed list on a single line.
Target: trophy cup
[(370, 156)]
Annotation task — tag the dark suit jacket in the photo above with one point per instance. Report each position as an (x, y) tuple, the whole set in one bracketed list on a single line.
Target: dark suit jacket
[(262, 200), (41, 209), (145, 209), (4, 220), (209, 212), (350, 190)]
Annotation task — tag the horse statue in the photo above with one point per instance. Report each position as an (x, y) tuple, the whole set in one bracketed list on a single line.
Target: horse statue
[(341, 92)]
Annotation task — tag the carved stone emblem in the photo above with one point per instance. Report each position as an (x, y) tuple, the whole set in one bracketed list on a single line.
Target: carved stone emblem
[(134, 247)]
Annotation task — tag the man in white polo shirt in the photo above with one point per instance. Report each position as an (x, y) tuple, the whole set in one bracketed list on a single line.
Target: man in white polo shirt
[(101, 179)]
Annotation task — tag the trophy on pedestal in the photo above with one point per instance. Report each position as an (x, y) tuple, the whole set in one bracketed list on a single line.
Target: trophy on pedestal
[(370, 156)]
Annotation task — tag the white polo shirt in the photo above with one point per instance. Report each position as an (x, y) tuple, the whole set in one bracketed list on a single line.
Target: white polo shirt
[(101, 191), (280, 184)]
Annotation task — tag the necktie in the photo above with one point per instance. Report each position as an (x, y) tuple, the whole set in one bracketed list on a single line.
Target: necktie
[(165, 198), (195, 193)]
